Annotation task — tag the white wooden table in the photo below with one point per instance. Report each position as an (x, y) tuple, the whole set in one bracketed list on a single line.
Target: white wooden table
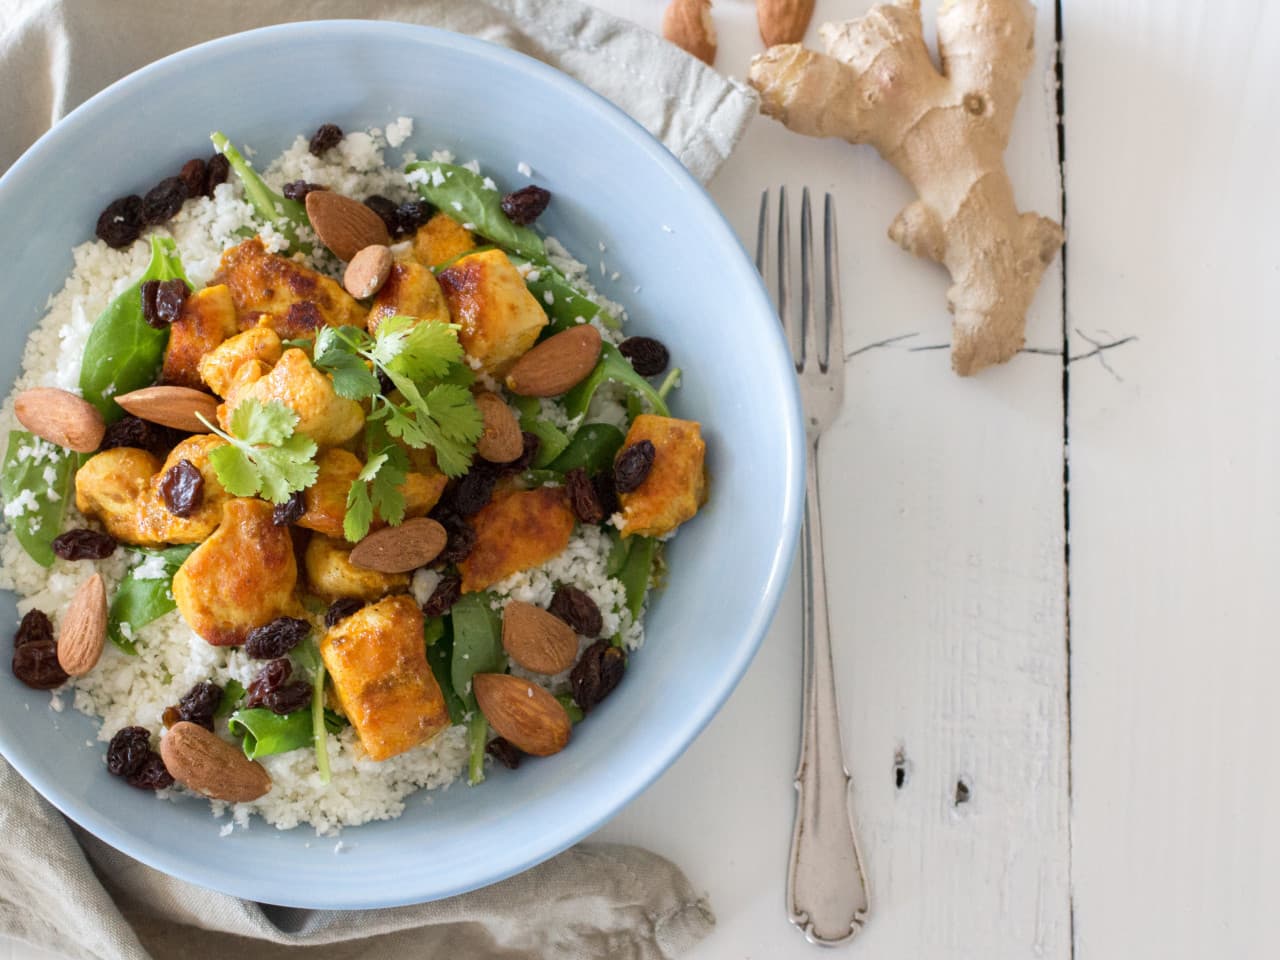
[(1055, 754)]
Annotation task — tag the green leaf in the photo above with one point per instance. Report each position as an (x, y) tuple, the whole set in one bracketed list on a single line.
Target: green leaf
[(612, 366), (337, 353), (288, 216), (232, 694), (420, 351), (447, 420), (563, 303), (551, 439), (637, 571), (574, 711), (477, 642), (477, 738), (454, 410), (376, 488), (124, 352), (37, 482), (439, 640), (463, 196), (308, 654), (263, 454), (592, 448), (266, 733), (138, 601)]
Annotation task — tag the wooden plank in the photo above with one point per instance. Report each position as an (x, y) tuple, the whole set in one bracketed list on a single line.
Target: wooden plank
[(1173, 123), (945, 536)]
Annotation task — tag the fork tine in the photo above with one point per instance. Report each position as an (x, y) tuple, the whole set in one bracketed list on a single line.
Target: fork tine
[(807, 332), (762, 233), (784, 266), (833, 321)]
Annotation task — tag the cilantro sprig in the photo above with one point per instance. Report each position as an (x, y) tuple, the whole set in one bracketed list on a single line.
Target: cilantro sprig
[(377, 487), (263, 454)]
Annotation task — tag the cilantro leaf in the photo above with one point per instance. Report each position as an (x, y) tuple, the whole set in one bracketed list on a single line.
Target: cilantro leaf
[(377, 488), (337, 351), (454, 410), (263, 455), (422, 351)]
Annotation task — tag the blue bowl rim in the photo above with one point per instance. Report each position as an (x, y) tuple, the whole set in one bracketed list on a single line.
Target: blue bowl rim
[(162, 856)]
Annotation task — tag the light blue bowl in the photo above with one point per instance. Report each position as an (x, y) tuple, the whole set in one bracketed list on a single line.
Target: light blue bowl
[(698, 292)]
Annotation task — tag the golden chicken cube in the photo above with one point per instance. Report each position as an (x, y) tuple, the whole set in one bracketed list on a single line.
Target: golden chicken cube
[(297, 300), (157, 524), (208, 317), (243, 576), (326, 499), (378, 662), (516, 530), (498, 316), (219, 366), (109, 488), (441, 239), (325, 417), (331, 574), (677, 483), (411, 290)]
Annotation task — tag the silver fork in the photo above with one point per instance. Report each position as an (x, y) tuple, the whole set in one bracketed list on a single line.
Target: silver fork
[(826, 884)]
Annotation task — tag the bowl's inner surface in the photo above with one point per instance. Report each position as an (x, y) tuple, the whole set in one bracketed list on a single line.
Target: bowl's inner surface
[(697, 292)]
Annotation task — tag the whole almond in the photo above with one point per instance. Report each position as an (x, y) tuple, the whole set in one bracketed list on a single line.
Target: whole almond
[(368, 271), (172, 407), (557, 364), (413, 544), (502, 440), (538, 640), (202, 761), (344, 225), (60, 417), (687, 24), (84, 628), (783, 21), (522, 712)]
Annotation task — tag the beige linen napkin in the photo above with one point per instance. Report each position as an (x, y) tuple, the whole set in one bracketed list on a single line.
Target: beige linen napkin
[(65, 891)]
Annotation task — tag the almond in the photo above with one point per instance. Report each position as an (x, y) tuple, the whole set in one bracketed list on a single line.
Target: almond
[(413, 544), (783, 21), (557, 364), (172, 407), (502, 440), (344, 225), (60, 417), (538, 640), (202, 761), (84, 628), (368, 271), (687, 24), (522, 712)]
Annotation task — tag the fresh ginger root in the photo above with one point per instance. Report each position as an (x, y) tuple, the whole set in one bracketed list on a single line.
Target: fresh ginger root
[(946, 133)]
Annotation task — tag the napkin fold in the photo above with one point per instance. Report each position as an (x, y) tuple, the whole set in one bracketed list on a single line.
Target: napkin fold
[(64, 890)]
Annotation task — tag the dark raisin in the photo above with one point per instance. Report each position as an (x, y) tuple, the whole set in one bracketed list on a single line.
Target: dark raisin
[(525, 205), (578, 610), (633, 465), (582, 496), (289, 698), (84, 544), (443, 597), (412, 214), (290, 511), (504, 751), (130, 431), (339, 610), (34, 628), (216, 172), (127, 751), (271, 677), (119, 224), (200, 703), (647, 355), (162, 301), (606, 492), (521, 463), (182, 488), (597, 672), (151, 775), (326, 137), (276, 638), (164, 200), (298, 189), (475, 489), (193, 175), (385, 386), (386, 209), (36, 665), (461, 540)]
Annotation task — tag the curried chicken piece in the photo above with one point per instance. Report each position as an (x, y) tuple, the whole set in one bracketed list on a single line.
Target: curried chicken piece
[(241, 577), (157, 524), (516, 530), (440, 240), (110, 486), (411, 290), (297, 300), (498, 316), (378, 663), (219, 366), (326, 499), (331, 574), (677, 482), (208, 317), (325, 417)]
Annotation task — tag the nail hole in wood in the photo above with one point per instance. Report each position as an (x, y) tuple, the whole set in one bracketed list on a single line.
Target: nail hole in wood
[(900, 768), (962, 792)]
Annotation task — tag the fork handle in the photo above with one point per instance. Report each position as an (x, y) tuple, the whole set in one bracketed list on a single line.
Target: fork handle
[(826, 884)]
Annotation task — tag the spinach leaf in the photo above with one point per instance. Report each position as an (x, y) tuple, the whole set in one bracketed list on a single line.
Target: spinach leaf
[(551, 439), (477, 643), (463, 196), (284, 214), (636, 572), (572, 709), (565, 304), (37, 484), (593, 448), (266, 733), (436, 268), (477, 737), (124, 352), (439, 642), (309, 654), (143, 598), (618, 554), (232, 694), (612, 366)]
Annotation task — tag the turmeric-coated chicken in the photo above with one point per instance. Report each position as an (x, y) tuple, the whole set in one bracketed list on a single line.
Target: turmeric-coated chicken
[(331, 574), (440, 240), (218, 367), (378, 662), (208, 317), (676, 485), (498, 317), (326, 499), (243, 576), (157, 523), (411, 290), (325, 417), (516, 530)]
